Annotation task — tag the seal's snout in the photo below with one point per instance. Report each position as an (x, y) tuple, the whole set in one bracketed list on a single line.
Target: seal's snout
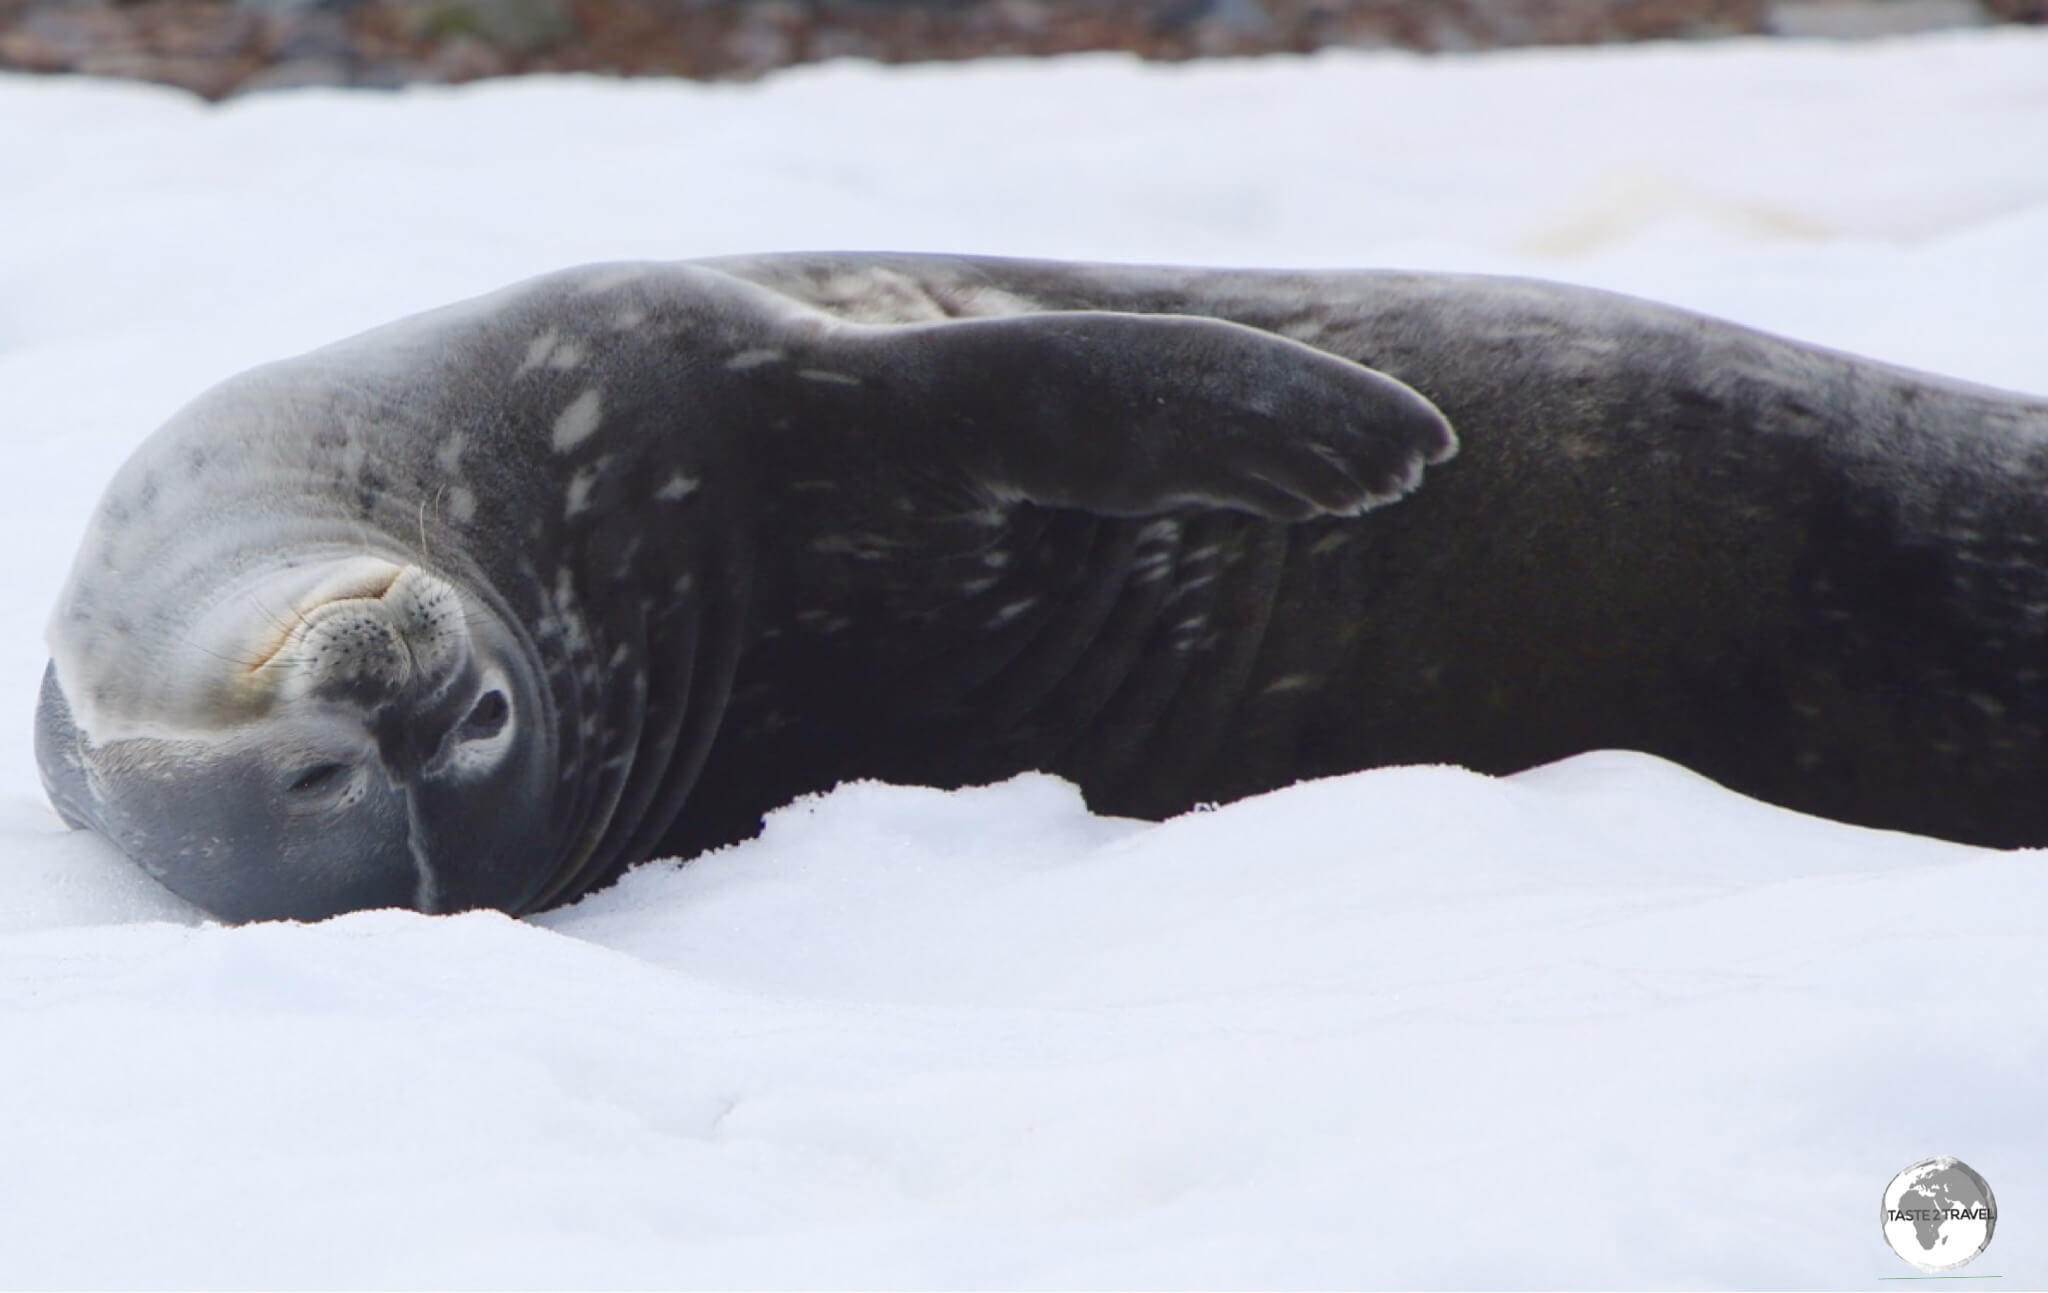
[(356, 653), (404, 641)]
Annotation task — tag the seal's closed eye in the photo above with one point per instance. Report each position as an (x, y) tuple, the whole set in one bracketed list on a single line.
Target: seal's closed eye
[(317, 778)]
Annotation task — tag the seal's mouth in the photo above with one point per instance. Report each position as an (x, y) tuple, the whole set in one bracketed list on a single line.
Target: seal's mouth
[(369, 638), (360, 583)]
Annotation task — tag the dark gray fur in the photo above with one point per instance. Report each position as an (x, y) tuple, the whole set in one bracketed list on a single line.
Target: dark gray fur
[(955, 543)]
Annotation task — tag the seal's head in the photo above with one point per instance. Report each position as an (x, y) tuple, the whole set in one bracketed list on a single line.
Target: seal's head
[(454, 613), (325, 732)]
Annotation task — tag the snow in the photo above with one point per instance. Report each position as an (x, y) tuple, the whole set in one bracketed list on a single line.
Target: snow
[(1600, 1024)]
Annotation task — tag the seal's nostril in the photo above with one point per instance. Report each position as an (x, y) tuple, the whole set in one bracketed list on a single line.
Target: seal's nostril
[(319, 777), (486, 717)]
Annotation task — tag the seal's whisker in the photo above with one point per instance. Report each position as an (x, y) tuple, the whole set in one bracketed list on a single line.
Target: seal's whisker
[(250, 665)]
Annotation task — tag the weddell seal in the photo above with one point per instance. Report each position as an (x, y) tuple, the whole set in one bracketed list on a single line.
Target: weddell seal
[(478, 608)]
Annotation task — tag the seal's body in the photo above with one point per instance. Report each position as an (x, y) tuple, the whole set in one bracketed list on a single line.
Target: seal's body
[(481, 607)]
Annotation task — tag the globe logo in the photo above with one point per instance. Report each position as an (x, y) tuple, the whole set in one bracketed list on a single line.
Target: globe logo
[(1938, 1214)]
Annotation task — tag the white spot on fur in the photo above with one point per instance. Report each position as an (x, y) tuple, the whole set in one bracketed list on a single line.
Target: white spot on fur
[(461, 504), (579, 420), (609, 278), (353, 458), (630, 319), (448, 457), (1289, 682), (568, 355), (537, 352), (828, 376), (746, 359), (631, 550), (575, 637), (821, 621), (1153, 565), (580, 486), (878, 296), (678, 487), (1010, 611)]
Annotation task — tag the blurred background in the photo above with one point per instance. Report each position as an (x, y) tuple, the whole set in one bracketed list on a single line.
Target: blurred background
[(217, 48)]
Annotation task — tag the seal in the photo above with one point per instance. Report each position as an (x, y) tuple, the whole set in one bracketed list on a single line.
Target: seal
[(479, 608)]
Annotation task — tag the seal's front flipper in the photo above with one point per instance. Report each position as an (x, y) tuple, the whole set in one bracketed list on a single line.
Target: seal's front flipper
[(1133, 414), (57, 755)]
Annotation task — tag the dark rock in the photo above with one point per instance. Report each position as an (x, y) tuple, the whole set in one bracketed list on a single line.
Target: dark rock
[(392, 74), (467, 58), (208, 32), (56, 40), (766, 38), (209, 78), (1856, 19), (517, 26), (299, 73), (304, 34)]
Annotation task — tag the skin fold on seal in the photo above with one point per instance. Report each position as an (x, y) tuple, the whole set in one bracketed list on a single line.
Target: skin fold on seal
[(481, 607)]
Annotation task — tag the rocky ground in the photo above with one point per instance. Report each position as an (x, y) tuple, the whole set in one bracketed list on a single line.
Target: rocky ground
[(216, 48)]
